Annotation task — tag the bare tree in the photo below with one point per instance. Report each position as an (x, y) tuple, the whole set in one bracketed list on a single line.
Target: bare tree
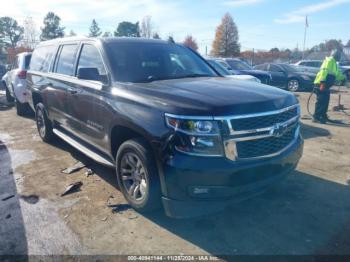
[(146, 27), (226, 38), (30, 33)]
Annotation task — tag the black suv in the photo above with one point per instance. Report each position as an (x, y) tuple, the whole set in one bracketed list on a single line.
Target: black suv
[(177, 132)]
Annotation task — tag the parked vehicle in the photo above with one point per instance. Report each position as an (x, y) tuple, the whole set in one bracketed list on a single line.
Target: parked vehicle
[(238, 67), (226, 73), (288, 76), (176, 132), (314, 65), (15, 83)]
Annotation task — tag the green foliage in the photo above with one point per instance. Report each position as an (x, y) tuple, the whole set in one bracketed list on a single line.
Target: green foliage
[(95, 30), (128, 29), (10, 31), (52, 28)]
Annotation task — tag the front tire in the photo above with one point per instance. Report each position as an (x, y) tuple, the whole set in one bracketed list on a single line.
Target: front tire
[(137, 175), (43, 123), (293, 85)]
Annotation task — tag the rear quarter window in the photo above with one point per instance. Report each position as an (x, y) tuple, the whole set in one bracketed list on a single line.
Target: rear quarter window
[(41, 58), (27, 61)]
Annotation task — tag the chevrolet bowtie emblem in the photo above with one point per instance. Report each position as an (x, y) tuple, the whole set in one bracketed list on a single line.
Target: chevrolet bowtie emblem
[(279, 129)]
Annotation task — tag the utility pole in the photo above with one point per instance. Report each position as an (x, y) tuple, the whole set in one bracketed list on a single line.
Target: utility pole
[(306, 26)]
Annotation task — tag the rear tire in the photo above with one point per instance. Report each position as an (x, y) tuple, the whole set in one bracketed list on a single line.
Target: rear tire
[(9, 97), (22, 109), (43, 123), (137, 175)]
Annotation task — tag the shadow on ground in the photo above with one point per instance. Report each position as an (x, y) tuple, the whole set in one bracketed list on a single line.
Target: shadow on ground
[(302, 215), (12, 230), (309, 131)]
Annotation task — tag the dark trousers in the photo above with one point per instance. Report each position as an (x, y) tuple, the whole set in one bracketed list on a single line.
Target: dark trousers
[(322, 103)]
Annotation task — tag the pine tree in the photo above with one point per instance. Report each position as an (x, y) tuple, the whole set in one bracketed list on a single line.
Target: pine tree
[(52, 28), (226, 38), (191, 43), (95, 30)]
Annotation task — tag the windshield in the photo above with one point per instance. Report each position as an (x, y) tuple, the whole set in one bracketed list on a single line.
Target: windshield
[(239, 65), (147, 62), (218, 67)]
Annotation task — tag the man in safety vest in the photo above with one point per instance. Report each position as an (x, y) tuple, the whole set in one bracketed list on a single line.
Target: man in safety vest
[(328, 75)]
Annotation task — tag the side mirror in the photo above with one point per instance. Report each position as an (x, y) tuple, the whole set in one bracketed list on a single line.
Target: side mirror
[(89, 73)]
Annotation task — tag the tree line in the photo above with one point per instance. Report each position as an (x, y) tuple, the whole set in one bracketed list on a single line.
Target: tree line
[(225, 44)]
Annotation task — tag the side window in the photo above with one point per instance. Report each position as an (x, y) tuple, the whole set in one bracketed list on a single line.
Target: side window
[(41, 58), (274, 68), (90, 57), (262, 67), (65, 63)]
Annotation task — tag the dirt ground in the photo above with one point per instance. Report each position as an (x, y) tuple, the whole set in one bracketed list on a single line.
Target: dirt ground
[(308, 213)]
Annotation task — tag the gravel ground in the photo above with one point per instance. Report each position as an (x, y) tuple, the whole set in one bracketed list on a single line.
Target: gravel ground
[(308, 213)]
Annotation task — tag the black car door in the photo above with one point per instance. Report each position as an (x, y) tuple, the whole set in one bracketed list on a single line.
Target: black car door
[(278, 75), (90, 114), (60, 84)]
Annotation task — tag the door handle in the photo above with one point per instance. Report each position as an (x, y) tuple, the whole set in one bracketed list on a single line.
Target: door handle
[(73, 91)]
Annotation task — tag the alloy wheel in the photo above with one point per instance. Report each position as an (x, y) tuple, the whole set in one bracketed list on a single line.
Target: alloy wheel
[(40, 120), (133, 176), (293, 85)]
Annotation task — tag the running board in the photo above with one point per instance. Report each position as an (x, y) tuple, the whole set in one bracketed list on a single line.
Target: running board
[(86, 151)]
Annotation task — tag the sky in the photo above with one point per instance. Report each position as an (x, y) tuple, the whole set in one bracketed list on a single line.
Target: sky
[(262, 24)]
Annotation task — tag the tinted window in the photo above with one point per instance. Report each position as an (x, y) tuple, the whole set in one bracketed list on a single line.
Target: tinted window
[(145, 62), (218, 67), (90, 57), (65, 63), (261, 67), (41, 58), (27, 61), (274, 68), (238, 65)]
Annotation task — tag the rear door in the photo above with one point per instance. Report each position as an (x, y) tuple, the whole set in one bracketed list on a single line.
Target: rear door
[(89, 111), (60, 83), (279, 77)]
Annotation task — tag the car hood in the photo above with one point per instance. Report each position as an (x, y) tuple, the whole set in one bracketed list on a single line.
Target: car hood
[(216, 96)]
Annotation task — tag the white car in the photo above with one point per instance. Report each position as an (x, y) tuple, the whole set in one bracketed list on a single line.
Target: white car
[(15, 83), (224, 72)]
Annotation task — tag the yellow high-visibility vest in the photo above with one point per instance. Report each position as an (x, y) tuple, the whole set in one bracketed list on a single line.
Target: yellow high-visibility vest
[(329, 66)]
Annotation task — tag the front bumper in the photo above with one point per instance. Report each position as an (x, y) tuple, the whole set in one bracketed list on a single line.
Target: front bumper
[(200, 185)]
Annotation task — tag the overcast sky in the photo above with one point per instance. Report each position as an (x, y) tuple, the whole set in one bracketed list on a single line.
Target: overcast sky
[(262, 24)]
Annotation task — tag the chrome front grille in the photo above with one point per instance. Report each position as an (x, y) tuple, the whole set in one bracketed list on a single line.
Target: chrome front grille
[(263, 121), (262, 134), (265, 146)]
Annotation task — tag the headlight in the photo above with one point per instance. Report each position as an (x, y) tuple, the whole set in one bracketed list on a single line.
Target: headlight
[(196, 136)]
